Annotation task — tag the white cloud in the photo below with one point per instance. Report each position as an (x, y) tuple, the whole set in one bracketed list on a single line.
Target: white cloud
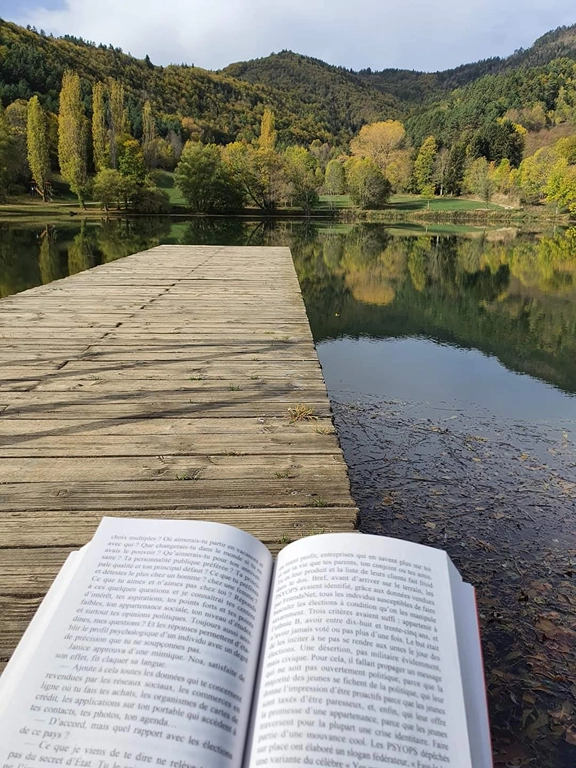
[(415, 34)]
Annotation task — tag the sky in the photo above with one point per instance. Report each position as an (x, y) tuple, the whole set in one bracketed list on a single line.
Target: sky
[(411, 34)]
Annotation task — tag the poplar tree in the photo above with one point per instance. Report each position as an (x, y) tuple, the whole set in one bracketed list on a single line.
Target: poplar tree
[(72, 135), (101, 148), (37, 143), (268, 135), (148, 134), (118, 122)]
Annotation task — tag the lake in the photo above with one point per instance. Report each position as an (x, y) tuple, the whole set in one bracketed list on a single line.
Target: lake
[(450, 359)]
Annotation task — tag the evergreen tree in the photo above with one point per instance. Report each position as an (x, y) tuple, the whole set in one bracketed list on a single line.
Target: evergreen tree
[(101, 148), (72, 135), (454, 174), (37, 139)]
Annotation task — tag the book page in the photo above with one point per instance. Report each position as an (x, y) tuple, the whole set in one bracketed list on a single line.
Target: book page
[(150, 656), (472, 669), (361, 663), (31, 642)]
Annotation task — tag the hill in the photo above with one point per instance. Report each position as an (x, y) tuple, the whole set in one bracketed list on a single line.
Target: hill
[(311, 99), (414, 87), (223, 104)]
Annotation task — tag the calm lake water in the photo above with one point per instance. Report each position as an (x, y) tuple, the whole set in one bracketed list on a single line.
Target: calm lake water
[(451, 364)]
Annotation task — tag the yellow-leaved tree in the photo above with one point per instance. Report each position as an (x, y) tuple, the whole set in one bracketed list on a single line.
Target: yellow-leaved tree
[(72, 135), (387, 145), (37, 143), (100, 144)]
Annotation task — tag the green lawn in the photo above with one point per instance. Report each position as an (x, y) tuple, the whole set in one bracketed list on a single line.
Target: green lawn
[(165, 180), (334, 203), (413, 203)]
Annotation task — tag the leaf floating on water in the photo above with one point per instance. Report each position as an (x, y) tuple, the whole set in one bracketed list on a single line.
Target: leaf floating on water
[(432, 526)]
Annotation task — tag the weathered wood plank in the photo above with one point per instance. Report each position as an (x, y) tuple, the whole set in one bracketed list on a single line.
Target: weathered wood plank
[(159, 386)]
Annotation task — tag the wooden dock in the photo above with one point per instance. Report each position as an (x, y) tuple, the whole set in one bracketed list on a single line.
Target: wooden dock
[(166, 384)]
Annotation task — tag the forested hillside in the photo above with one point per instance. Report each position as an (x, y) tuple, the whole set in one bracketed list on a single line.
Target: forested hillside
[(282, 130), (223, 106)]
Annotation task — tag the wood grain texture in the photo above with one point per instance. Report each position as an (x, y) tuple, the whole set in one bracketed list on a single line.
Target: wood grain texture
[(160, 385)]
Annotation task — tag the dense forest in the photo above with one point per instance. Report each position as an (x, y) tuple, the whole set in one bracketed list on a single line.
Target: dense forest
[(282, 130)]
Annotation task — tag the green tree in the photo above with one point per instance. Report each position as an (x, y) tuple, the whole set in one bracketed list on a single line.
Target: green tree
[(205, 181), (148, 135), (424, 167), (131, 161), (368, 186), (477, 179), (455, 169), (118, 121), (259, 173), (335, 178), (109, 187), (72, 135), (38, 156), (100, 141), (15, 121), (301, 171), (9, 160)]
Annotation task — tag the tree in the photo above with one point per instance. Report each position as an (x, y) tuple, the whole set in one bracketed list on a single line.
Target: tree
[(533, 174), (205, 181), (386, 144), (131, 161), (368, 186), (455, 169), (379, 141), (118, 121), (440, 170), (100, 141), (259, 173), (503, 176), (268, 135), (72, 135), (301, 167), (109, 187), (8, 160), (37, 137), (335, 178), (148, 135), (16, 123), (424, 167), (477, 179), (560, 187)]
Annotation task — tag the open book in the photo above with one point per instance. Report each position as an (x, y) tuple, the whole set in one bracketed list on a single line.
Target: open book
[(181, 644)]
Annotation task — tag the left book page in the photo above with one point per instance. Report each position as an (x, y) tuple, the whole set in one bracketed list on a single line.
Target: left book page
[(148, 656)]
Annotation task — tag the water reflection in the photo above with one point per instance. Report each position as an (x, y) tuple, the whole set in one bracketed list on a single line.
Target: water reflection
[(506, 293), (418, 333)]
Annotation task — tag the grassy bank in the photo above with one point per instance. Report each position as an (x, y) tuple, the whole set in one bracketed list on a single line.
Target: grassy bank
[(401, 208)]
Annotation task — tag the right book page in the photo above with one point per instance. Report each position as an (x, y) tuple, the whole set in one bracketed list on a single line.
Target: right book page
[(361, 663)]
